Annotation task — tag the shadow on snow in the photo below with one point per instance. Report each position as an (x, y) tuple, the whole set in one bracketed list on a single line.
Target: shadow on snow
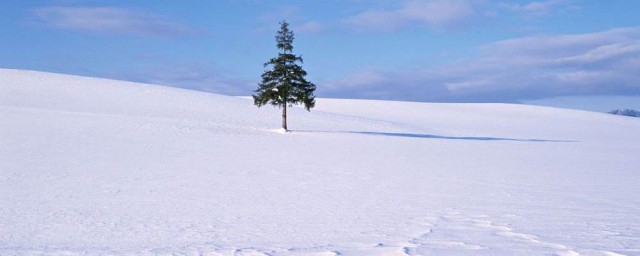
[(431, 136)]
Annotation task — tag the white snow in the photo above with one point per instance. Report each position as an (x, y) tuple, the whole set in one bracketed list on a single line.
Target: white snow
[(100, 167)]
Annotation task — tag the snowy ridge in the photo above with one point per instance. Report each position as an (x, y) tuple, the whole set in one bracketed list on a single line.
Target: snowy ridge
[(101, 167)]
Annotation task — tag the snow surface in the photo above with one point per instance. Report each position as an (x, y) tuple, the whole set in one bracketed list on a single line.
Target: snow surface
[(101, 167)]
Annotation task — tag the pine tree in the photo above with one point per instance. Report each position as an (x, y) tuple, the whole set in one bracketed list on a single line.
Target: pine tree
[(284, 84)]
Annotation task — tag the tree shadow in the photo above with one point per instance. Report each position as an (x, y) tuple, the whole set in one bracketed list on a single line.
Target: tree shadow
[(431, 136)]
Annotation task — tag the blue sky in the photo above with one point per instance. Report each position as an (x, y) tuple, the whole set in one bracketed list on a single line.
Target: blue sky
[(419, 50)]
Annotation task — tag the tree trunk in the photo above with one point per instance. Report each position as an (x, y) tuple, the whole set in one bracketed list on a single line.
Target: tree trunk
[(284, 117)]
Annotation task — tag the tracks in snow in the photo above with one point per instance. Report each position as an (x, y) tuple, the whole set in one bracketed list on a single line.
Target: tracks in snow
[(444, 234)]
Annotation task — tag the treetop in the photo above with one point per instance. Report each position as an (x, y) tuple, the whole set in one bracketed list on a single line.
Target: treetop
[(284, 37)]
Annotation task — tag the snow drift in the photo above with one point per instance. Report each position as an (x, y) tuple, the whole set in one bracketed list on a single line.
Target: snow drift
[(103, 167)]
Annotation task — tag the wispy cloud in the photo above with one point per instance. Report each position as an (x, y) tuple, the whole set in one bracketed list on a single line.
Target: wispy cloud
[(311, 27), (432, 14), (194, 76), (295, 16), (542, 8), (109, 20), (603, 63)]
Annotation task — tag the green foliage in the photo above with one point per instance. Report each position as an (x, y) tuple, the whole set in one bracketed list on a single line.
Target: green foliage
[(285, 84)]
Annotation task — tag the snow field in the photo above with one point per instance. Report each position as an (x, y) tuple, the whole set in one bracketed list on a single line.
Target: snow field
[(100, 167)]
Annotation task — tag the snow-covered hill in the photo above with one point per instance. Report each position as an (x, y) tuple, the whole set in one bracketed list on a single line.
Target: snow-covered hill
[(101, 167)]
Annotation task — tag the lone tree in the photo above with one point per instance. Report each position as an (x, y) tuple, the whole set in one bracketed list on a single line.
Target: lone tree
[(284, 85)]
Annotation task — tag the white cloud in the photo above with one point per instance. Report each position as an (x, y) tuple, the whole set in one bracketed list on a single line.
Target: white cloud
[(603, 63), (603, 53), (109, 20), (541, 8), (433, 14)]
